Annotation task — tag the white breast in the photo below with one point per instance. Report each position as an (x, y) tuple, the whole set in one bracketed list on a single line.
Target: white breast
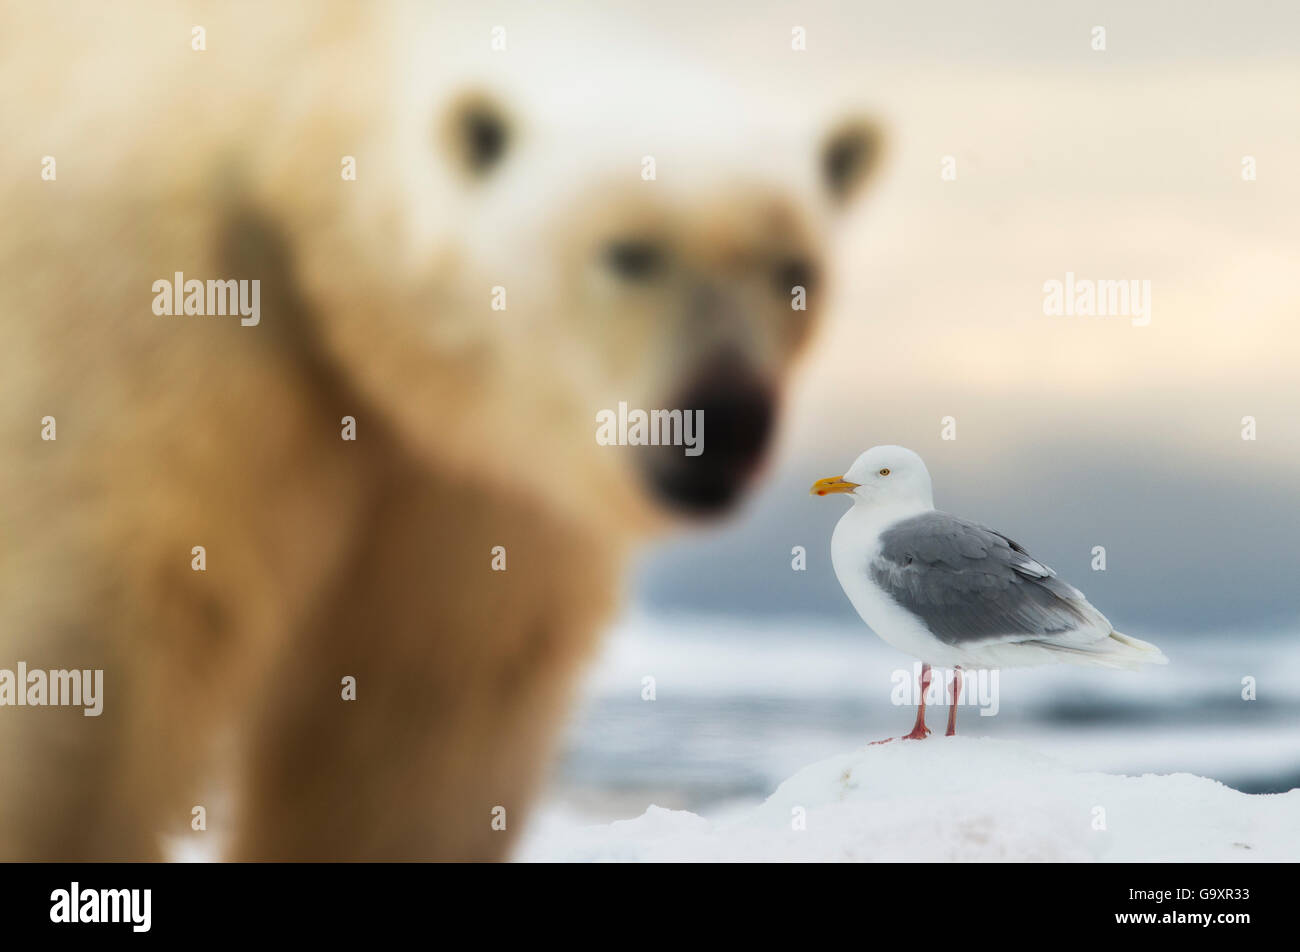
[(855, 542)]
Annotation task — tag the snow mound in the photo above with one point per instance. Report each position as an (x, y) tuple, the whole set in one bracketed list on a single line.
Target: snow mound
[(953, 798)]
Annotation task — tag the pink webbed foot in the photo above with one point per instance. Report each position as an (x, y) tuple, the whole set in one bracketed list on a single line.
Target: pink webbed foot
[(919, 730)]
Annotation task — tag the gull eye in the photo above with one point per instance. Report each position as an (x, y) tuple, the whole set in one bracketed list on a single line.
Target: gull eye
[(884, 472)]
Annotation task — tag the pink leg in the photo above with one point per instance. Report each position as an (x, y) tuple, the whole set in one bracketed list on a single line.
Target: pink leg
[(956, 693), (919, 730)]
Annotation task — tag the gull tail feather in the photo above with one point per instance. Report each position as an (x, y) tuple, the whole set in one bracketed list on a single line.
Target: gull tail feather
[(1115, 651)]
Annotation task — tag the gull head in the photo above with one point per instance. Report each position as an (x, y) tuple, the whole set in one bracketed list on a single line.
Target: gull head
[(886, 476)]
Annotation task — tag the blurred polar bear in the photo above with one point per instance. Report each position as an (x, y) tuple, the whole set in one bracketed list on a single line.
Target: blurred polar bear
[(469, 253)]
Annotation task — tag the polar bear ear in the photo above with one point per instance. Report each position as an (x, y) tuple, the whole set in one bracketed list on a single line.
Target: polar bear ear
[(478, 132), (850, 157)]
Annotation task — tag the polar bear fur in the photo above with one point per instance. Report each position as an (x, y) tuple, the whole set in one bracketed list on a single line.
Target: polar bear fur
[(372, 558)]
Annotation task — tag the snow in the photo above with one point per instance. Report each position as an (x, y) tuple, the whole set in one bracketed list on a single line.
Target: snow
[(945, 799)]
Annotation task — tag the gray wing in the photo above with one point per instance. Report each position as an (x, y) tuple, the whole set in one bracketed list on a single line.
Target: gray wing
[(971, 584)]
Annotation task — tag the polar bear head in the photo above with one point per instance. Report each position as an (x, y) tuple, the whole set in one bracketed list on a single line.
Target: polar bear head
[(580, 238)]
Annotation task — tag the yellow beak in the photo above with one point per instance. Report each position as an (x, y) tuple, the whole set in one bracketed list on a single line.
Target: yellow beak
[(832, 484)]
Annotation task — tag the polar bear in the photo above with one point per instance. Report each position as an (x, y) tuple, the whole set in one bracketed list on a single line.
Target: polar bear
[(340, 566)]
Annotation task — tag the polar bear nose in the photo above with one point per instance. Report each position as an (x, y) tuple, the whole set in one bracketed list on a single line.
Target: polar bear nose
[(737, 409)]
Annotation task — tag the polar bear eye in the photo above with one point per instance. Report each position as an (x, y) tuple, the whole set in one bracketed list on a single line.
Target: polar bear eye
[(485, 139), (634, 259), (793, 273), (476, 131)]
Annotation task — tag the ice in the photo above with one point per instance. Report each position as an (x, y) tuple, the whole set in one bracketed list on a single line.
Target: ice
[(950, 799)]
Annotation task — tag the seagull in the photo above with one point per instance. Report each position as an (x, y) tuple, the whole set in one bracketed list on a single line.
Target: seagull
[(952, 592)]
